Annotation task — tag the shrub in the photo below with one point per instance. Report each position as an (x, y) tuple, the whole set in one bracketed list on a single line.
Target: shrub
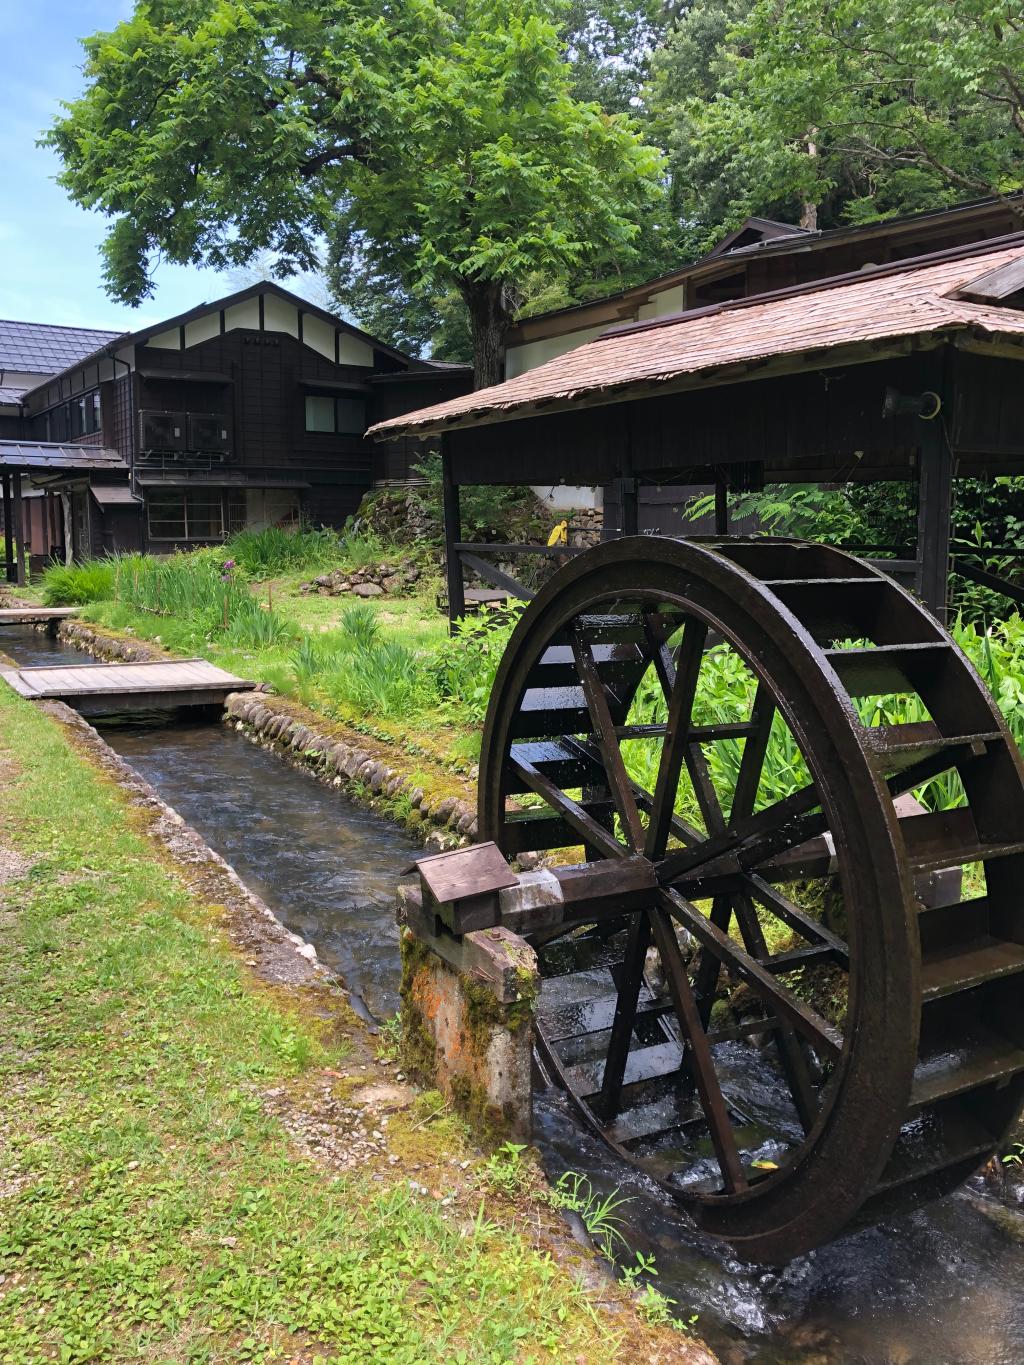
[(75, 585), (252, 626), (273, 551), (464, 667), (360, 627), (382, 680)]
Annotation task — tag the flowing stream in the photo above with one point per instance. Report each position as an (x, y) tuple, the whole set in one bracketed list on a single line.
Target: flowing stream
[(944, 1286)]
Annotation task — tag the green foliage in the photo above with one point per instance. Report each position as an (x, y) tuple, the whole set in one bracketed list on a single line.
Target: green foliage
[(487, 511), (75, 585), (463, 668), (359, 626), (505, 1170), (987, 518), (574, 1192), (443, 145), (864, 107), (252, 626), (274, 551)]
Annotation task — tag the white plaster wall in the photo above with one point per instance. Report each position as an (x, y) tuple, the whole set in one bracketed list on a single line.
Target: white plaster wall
[(166, 341), (280, 316), (663, 305), (519, 359), (244, 314), (352, 351), (561, 497), (318, 336), (202, 329)]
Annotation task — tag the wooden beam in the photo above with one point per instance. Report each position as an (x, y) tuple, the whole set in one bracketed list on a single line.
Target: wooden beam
[(934, 507), (18, 516), (492, 575), (9, 564), (452, 535)]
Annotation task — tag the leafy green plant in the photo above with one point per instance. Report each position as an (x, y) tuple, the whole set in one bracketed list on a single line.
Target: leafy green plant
[(252, 626), (389, 1036), (75, 585), (574, 1192), (464, 666), (359, 626), (274, 550), (505, 1170), (384, 680)]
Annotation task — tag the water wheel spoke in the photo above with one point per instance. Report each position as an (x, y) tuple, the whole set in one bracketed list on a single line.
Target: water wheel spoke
[(682, 688), (826, 1039), (701, 1061), (588, 829), (784, 824), (792, 1060), (630, 982), (604, 731)]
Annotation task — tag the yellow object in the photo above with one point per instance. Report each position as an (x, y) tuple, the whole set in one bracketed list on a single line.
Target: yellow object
[(560, 535), (763, 1165)]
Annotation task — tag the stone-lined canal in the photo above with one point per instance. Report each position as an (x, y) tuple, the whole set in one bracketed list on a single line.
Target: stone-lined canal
[(941, 1287)]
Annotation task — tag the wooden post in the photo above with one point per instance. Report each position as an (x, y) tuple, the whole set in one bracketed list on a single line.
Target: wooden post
[(934, 508), (18, 514), (721, 504), (452, 536), (10, 566), (629, 517)]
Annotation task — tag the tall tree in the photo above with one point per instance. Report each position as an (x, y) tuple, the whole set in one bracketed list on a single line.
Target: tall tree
[(440, 137), (860, 107)]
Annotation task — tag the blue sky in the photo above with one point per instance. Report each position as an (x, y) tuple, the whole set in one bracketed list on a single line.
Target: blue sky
[(48, 246)]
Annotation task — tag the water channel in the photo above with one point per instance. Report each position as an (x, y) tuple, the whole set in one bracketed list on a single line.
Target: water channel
[(940, 1287)]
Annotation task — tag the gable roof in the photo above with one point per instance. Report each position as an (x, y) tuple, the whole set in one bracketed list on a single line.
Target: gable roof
[(43, 348), (730, 253), (107, 342), (882, 305)]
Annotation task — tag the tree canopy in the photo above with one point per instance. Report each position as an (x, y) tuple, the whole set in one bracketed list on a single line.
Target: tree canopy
[(839, 110), (440, 140)]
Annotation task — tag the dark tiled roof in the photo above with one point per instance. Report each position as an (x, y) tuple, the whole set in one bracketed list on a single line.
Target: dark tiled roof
[(40, 348), (50, 455)]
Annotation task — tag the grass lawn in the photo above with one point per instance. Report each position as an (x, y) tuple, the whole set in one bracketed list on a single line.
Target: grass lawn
[(155, 1203)]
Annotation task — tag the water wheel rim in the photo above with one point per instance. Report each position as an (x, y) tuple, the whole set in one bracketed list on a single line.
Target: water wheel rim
[(840, 1160)]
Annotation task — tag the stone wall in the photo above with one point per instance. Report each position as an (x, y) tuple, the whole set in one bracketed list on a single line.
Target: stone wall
[(442, 822)]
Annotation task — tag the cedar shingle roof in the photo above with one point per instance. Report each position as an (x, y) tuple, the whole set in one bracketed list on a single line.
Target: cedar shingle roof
[(41, 348), (882, 304)]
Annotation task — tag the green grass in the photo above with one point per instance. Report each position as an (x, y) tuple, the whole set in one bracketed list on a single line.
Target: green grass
[(152, 1207)]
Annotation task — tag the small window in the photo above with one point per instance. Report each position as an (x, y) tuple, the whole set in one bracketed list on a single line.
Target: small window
[(185, 514), (94, 411), (344, 416), (319, 413), (351, 416)]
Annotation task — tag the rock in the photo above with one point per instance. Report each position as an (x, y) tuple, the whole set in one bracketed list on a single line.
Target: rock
[(368, 590), (416, 796)]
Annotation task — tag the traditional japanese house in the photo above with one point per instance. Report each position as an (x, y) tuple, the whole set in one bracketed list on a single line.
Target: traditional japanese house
[(247, 412)]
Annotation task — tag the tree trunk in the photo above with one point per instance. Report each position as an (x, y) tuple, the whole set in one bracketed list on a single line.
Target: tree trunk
[(489, 316)]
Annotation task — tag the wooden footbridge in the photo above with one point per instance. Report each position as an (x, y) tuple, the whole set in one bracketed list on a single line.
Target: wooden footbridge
[(96, 688), (35, 616)]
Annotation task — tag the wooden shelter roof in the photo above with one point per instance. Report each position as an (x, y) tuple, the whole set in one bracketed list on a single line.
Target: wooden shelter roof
[(877, 311)]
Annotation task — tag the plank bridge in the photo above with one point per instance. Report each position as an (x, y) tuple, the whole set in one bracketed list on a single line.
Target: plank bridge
[(103, 687)]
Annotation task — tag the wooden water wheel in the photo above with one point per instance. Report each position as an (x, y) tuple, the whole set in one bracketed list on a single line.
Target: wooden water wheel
[(796, 1019)]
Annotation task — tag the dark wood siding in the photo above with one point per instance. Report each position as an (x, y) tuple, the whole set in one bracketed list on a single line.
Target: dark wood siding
[(396, 461)]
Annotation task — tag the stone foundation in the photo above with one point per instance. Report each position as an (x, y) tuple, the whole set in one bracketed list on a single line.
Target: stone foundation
[(467, 1019)]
